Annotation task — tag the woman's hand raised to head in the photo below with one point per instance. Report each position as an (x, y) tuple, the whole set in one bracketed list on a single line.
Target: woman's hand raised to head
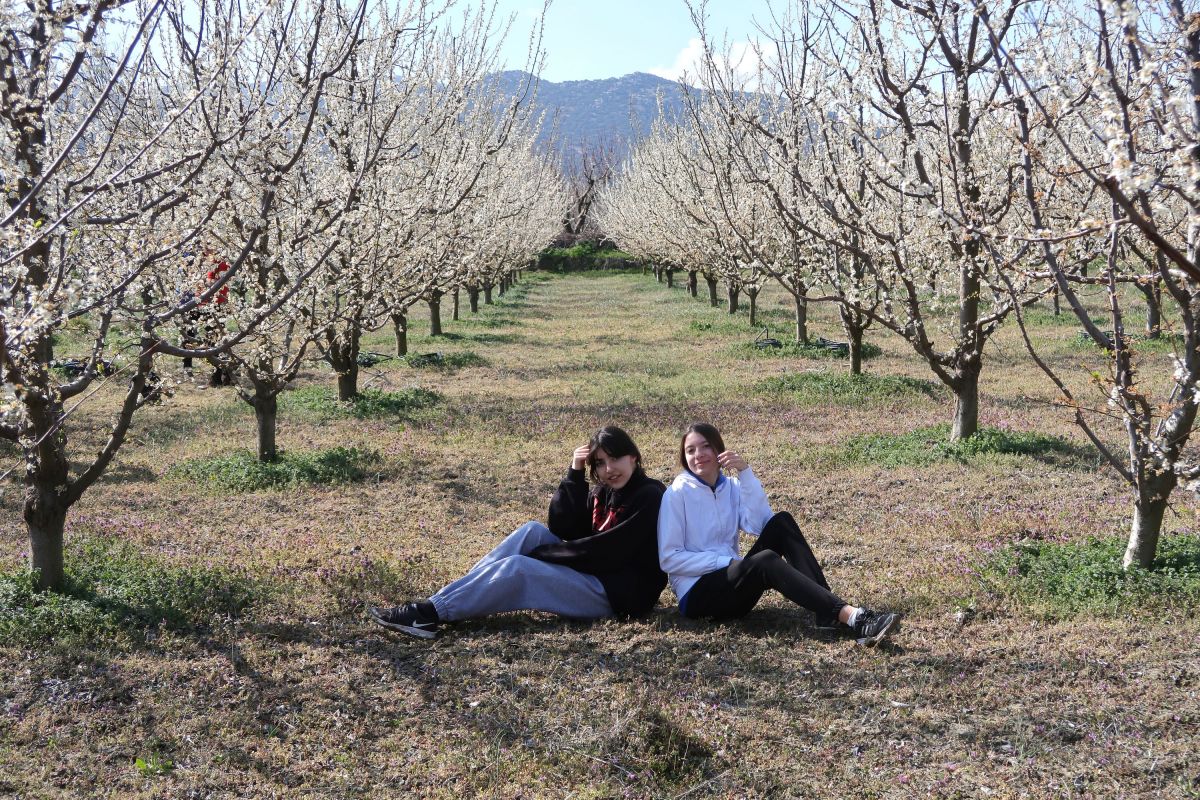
[(579, 458), (731, 460)]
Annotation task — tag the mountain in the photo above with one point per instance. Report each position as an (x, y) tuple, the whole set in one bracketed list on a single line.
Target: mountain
[(613, 112)]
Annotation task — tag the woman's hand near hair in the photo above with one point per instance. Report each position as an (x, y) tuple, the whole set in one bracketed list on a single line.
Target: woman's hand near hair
[(580, 456), (731, 460)]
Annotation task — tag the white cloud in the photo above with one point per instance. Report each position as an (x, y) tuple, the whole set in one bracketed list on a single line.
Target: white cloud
[(687, 61), (740, 54)]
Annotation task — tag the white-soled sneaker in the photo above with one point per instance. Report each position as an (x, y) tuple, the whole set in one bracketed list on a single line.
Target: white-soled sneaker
[(872, 626), (407, 619)]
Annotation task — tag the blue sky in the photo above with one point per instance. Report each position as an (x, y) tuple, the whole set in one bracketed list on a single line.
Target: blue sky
[(587, 39)]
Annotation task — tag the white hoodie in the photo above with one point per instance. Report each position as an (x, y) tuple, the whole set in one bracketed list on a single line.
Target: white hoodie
[(698, 525)]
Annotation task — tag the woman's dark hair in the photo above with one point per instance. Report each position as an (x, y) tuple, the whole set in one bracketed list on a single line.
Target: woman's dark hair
[(617, 443), (710, 434)]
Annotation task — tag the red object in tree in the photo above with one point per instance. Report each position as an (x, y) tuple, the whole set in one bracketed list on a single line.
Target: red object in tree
[(213, 275)]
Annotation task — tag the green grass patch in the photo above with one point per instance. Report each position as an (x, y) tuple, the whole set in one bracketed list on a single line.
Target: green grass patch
[(153, 765), (932, 445), (445, 361), (470, 320), (846, 389), (241, 471), (479, 338), (517, 292), (794, 349), (1039, 316), (322, 403), (1165, 342), (1061, 579), (728, 327), (115, 590)]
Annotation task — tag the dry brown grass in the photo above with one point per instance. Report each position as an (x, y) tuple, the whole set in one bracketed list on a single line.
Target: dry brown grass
[(304, 697)]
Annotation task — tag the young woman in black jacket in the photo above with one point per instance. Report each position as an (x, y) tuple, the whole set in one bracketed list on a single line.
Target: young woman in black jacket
[(597, 558)]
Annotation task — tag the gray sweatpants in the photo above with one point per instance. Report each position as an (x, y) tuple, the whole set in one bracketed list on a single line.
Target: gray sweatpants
[(508, 580)]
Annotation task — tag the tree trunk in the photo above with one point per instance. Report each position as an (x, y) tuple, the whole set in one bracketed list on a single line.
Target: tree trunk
[(753, 294), (801, 320), (456, 304), (735, 295), (47, 473), (400, 326), (855, 335), (712, 291), (487, 294), (966, 403), (1153, 295), (670, 277), (347, 381), (658, 273), (1148, 512), (45, 519), (342, 355), (266, 407), (691, 284), (435, 313), (854, 324), (1057, 303), (473, 294)]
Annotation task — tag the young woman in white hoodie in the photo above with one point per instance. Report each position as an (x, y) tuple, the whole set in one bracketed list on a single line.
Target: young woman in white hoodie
[(698, 525)]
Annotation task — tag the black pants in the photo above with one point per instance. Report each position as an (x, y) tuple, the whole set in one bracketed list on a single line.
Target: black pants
[(781, 560)]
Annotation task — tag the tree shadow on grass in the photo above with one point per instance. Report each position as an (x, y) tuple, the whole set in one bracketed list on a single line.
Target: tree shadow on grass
[(480, 338), (128, 473), (175, 426), (932, 445)]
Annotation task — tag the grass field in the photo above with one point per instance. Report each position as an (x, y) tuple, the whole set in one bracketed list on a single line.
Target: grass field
[(263, 678)]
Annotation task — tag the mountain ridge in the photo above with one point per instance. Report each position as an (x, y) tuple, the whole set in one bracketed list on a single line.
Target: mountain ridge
[(595, 113)]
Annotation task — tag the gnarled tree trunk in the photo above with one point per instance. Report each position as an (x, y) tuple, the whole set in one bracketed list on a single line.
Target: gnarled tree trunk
[(435, 312), (801, 319), (712, 291), (342, 355)]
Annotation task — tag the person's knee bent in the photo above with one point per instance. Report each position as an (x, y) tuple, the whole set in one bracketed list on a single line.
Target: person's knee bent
[(530, 535), (763, 562), (533, 526), (781, 524), (783, 518)]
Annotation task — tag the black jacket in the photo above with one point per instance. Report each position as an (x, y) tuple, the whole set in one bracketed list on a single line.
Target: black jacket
[(612, 535)]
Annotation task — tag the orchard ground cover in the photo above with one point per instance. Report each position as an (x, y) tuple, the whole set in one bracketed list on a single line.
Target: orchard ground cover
[(265, 679)]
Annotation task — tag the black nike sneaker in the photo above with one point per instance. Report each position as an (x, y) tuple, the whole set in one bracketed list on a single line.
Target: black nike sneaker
[(407, 619)]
